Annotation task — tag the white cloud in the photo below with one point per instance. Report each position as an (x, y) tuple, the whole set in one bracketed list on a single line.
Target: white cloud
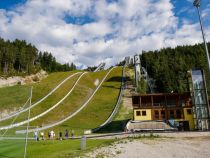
[(119, 29)]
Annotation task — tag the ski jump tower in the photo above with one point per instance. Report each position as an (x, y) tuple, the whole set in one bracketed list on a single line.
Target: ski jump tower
[(100, 67), (137, 65)]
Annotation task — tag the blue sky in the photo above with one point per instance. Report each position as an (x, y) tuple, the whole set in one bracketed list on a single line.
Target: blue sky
[(105, 30)]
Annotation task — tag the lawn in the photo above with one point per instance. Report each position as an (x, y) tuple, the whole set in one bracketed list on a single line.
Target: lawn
[(47, 103), (16, 96), (48, 148), (124, 113), (75, 100), (98, 109)]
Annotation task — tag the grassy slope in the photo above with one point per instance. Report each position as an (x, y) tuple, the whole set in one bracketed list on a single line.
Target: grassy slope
[(46, 104), (16, 96), (119, 122), (79, 95), (98, 109), (124, 113), (49, 149)]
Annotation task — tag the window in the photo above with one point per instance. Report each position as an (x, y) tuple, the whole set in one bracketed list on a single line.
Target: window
[(171, 102), (189, 112), (156, 114), (138, 113), (171, 114), (144, 113), (135, 100), (178, 114), (163, 113)]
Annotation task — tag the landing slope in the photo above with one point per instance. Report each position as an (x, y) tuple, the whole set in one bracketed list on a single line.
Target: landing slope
[(98, 109)]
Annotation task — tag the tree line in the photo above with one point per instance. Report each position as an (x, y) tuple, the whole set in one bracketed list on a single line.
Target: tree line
[(169, 66), (20, 57)]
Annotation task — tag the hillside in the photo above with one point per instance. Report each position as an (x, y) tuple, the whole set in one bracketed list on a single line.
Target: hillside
[(98, 109), (50, 101), (169, 66), (22, 58), (12, 98)]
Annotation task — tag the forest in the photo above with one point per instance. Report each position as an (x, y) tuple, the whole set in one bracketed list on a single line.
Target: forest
[(169, 66), (20, 58)]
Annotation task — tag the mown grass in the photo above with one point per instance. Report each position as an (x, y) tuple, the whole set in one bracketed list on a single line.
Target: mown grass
[(119, 121), (47, 103), (48, 148), (76, 99), (98, 109), (13, 97), (124, 113), (16, 96)]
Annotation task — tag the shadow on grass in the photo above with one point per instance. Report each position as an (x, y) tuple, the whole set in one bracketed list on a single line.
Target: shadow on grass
[(118, 79), (113, 87), (114, 126)]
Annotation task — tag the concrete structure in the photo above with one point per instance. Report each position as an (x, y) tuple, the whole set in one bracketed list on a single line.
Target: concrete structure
[(137, 64)]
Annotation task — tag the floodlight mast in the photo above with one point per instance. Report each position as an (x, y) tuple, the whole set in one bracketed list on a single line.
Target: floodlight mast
[(197, 4)]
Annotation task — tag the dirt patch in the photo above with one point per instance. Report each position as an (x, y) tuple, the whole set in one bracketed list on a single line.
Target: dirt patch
[(15, 80), (176, 147)]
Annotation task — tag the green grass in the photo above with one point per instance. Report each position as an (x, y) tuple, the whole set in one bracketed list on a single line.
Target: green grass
[(124, 113), (49, 148), (119, 122), (79, 95), (10, 99), (98, 109), (47, 103), (16, 96)]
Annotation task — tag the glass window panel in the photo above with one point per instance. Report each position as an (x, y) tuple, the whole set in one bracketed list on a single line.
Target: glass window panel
[(197, 79)]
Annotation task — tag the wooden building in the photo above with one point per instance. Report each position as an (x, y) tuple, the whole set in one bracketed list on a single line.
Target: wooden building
[(164, 106)]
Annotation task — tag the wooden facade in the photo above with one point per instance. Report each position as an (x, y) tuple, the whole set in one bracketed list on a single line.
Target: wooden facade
[(163, 106)]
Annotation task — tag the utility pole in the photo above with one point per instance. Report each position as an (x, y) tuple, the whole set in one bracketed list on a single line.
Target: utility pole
[(197, 4), (26, 138)]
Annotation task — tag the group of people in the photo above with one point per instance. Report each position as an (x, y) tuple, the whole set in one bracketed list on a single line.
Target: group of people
[(51, 135)]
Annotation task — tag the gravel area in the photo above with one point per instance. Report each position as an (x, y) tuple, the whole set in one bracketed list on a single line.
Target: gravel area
[(183, 145)]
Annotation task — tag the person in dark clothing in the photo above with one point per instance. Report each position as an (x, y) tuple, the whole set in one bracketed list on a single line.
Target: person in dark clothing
[(49, 134), (67, 134), (72, 133), (60, 135)]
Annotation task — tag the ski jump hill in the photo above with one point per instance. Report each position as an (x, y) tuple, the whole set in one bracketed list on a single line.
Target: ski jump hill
[(78, 101)]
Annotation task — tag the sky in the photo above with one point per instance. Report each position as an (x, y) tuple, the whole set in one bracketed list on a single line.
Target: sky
[(88, 32)]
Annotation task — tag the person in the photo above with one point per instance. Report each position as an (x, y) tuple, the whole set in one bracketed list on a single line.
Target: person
[(49, 135), (35, 135), (72, 133), (42, 135), (52, 134), (60, 135), (67, 134)]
